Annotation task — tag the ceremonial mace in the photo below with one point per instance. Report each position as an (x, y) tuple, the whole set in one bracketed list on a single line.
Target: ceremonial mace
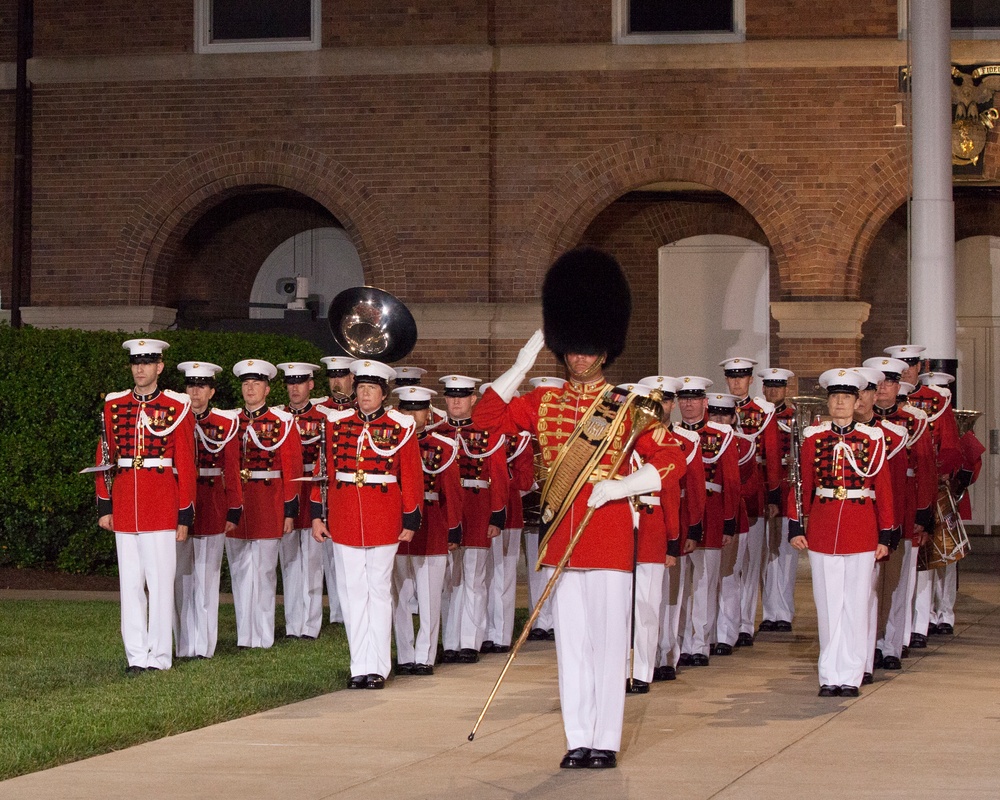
[(646, 411)]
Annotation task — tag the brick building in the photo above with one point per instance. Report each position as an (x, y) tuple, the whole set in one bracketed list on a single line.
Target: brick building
[(457, 146)]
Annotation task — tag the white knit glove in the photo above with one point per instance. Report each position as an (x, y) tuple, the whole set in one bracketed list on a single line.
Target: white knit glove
[(506, 385), (643, 481)]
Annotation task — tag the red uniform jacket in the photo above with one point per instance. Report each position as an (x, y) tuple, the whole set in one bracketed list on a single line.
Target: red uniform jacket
[(746, 450), (441, 522), (375, 477), (309, 420), (482, 463), (755, 420), (521, 469), (935, 402), (722, 482), (972, 462), (659, 516), (783, 415), (692, 508), (220, 491), (552, 414), (159, 428), (854, 524), (895, 463), (921, 470), (270, 462)]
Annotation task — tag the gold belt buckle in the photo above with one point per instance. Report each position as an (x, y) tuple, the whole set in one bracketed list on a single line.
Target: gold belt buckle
[(359, 478), (137, 462), (244, 475), (840, 493)]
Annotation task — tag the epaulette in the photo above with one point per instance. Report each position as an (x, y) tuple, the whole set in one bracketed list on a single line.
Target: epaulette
[(397, 416), (812, 430), (180, 398), (335, 415), (116, 395), (228, 413), (765, 406), (281, 414), (869, 430), (692, 437), (719, 426), (900, 432)]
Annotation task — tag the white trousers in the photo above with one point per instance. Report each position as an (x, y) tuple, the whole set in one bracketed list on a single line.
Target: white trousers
[(873, 598), (727, 626), (419, 578), (147, 561), (892, 596), (779, 573), (364, 584), (922, 601), (196, 595), (703, 601), (253, 565), (675, 579), (501, 577), (301, 559), (945, 590), (470, 596), (910, 573), (750, 567), (591, 610), (330, 576), (842, 586), (536, 581), (648, 597)]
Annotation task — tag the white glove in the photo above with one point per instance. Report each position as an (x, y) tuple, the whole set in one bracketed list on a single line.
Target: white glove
[(643, 481), (507, 384)]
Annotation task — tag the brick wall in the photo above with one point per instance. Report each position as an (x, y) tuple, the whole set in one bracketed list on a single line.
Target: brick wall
[(807, 19)]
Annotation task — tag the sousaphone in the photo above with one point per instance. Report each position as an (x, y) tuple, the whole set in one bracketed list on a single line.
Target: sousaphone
[(371, 323)]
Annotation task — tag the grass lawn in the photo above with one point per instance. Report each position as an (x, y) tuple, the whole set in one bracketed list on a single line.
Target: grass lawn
[(64, 694)]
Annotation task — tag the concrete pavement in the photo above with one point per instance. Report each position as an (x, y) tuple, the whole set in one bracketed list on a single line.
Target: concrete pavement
[(750, 725)]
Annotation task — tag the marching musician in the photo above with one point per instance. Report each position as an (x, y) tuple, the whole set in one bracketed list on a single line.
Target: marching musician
[(843, 529), (218, 506), (375, 501), (586, 306), (270, 464), (149, 436)]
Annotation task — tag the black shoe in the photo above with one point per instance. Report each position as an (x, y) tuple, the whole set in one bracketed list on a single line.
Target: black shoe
[(933, 629), (537, 635), (575, 759), (849, 691), (944, 629), (550, 634), (699, 660), (132, 669), (602, 759), (468, 655), (292, 636), (501, 648), (878, 661), (891, 662), (375, 682), (918, 641), (449, 656), (423, 669), (635, 686), (905, 653), (357, 682), (722, 649), (486, 647), (783, 626), (867, 678), (664, 674), (308, 638), (684, 660), (744, 640), (829, 691), (405, 669), (766, 626)]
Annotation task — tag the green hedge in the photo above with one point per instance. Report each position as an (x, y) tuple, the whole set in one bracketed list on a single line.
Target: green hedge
[(51, 388)]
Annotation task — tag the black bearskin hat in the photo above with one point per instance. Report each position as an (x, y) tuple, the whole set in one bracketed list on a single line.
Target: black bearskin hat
[(586, 304)]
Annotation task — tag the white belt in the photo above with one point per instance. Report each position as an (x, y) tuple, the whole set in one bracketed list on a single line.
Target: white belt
[(209, 472), (352, 477), (846, 494), (264, 474), (430, 497), (470, 483), (649, 500), (308, 468), (712, 487), (910, 473), (147, 463)]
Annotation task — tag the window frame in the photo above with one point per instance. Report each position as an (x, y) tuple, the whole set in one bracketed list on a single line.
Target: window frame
[(967, 34), (621, 34), (204, 44)]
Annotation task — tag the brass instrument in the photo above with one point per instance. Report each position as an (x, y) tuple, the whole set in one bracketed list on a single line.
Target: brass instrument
[(806, 412), (107, 466), (646, 411), (965, 421), (371, 323)]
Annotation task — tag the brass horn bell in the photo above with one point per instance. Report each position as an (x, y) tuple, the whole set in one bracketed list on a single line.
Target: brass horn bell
[(371, 323)]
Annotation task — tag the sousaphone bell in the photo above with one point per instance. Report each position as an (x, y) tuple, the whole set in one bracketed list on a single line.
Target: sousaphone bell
[(371, 323)]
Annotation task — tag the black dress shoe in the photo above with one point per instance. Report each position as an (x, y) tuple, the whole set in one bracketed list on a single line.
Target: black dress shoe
[(602, 759), (933, 629), (405, 669), (783, 626), (849, 691), (699, 660), (537, 635), (576, 759), (635, 686), (829, 691), (891, 662), (664, 674), (374, 682), (292, 636), (906, 652), (132, 669), (684, 660), (945, 629), (867, 678), (308, 638), (550, 634), (501, 648), (468, 655), (486, 647), (722, 649), (744, 640), (918, 641), (878, 661), (449, 656), (357, 682), (766, 626), (423, 669)]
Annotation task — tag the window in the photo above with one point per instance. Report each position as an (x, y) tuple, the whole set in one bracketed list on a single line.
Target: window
[(970, 19), (679, 21), (242, 26)]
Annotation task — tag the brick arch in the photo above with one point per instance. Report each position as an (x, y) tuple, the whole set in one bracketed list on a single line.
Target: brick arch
[(166, 213), (564, 212)]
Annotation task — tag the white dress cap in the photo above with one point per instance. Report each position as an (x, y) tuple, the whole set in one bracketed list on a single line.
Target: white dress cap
[(555, 383), (298, 369), (414, 394), (740, 365), (337, 363), (139, 348), (721, 401), (887, 365), (842, 379), (693, 385), (255, 369), (664, 383), (870, 374), (366, 368), (459, 385), (905, 351), (935, 378), (199, 369), (775, 374)]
